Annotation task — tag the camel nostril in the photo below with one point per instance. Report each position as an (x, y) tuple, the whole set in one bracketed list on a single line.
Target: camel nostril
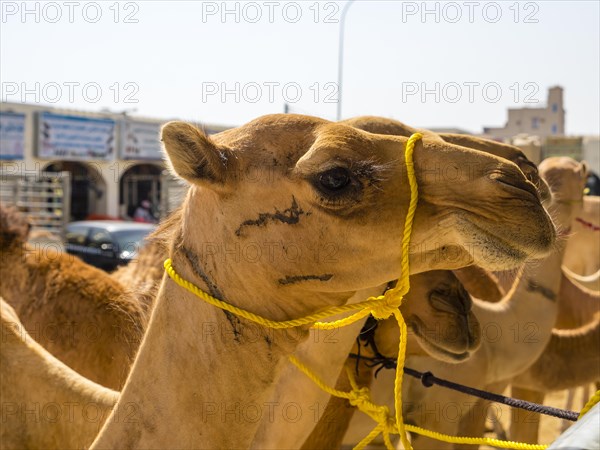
[(513, 176), (515, 181), (444, 303), (456, 301)]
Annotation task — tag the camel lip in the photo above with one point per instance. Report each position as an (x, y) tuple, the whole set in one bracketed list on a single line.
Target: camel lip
[(430, 346)]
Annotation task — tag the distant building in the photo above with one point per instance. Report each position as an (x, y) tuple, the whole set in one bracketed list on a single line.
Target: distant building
[(114, 160), (542, 122)]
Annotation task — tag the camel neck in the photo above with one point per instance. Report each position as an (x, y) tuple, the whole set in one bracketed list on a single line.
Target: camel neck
[(203, 371)]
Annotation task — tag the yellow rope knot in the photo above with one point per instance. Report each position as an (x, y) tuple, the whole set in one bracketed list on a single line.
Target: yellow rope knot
[(388, 305), (359, 397)]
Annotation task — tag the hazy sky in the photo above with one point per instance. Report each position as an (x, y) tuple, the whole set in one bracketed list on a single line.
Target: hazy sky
[(434, 64)]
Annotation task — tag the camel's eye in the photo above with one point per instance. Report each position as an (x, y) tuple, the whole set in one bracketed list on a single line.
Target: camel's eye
[(335, 179), (337, 188)]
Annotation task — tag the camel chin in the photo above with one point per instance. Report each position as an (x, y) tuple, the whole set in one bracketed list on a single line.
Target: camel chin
[(492, 252)]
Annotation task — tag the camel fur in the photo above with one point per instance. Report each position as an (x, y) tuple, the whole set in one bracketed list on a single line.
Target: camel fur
[(75, 311)]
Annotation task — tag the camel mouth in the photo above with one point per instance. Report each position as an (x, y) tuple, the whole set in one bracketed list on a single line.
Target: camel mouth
[(442, 352)]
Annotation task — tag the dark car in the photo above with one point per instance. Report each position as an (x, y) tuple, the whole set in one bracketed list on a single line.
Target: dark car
[(106, 243)]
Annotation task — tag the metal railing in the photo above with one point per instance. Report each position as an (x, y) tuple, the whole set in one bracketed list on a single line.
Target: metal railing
[(45, 198)]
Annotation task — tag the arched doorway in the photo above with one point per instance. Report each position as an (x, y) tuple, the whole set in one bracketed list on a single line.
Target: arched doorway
[(88, 188), (140, 182)]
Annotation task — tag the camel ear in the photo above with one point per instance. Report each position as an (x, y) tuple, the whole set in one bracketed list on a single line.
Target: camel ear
[(583, 168), (193, 156)]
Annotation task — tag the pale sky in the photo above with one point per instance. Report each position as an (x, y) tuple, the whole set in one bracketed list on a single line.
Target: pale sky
[(177, 59)]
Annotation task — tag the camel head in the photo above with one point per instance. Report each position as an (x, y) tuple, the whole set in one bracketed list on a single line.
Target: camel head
[(290, 201), (382, 125), (566, 178), (14, 228), (437, 310)]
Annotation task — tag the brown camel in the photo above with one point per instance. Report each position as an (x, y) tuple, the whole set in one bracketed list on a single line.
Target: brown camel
[(437, 310), (46, 404), (324, 180), (75, 311), (70, 434)]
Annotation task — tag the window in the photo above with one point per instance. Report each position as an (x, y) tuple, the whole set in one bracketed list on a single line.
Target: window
[(535, 123), (554, 129), (554, 107), (76, 235)]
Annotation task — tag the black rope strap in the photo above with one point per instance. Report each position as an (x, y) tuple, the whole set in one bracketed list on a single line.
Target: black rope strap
[(428, 380), (366, 338)]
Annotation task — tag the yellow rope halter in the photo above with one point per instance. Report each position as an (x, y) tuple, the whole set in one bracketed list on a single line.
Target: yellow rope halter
[(381, 307)]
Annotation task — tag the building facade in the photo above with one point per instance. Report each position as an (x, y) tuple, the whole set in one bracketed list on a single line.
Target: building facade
[(542, 122), (114, 161)]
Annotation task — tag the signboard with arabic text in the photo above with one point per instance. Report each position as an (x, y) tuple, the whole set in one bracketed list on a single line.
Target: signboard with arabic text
[(12, 135), (141, 140), (74, 137)]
